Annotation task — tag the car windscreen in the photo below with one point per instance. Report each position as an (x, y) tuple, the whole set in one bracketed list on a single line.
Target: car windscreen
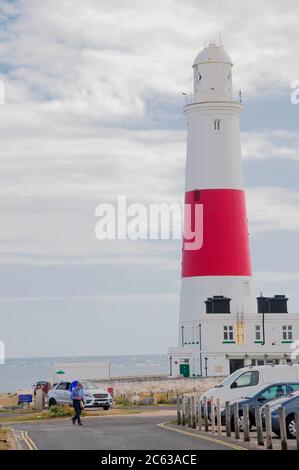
[(228, 379), (89, 386)]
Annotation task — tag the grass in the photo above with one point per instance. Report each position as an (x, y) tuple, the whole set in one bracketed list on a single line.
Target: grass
[(4, 439), (45, 415)]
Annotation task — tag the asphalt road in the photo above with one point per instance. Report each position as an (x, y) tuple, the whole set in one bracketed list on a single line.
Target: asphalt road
[(111, 433)]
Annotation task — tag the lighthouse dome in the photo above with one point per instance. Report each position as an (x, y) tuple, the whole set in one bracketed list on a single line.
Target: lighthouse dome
[(212, 53)]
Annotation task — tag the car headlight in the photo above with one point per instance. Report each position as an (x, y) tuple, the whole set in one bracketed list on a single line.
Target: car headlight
[(88, 395)]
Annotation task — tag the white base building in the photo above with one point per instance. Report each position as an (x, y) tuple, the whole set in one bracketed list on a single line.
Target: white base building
[(218, 344)]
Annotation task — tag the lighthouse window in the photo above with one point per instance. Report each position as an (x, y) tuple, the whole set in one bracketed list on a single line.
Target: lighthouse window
[(228, 333), (287, 333), (217, 124)]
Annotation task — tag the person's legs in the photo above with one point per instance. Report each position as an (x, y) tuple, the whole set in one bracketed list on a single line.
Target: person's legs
[(77, 411)]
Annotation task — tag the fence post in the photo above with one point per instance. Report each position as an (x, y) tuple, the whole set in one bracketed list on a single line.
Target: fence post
[(189, 413), (246, 423), (236, 420), (178, 408), (196, 411), (283, 431), (193, 413), (206, 418), (259, 427), (268, 423), (184, 411), (297, 428), (199, 415), (219, 428), (212, 415), (227, 419)]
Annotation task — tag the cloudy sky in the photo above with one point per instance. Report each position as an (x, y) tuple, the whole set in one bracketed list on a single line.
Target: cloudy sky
[(94, 110)]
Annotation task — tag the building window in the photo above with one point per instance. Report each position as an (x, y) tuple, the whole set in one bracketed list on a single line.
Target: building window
[(228, 333), (287, 333), (258, 335), (217, 124)]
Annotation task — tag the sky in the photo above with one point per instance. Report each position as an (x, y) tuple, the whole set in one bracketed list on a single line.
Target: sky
[(94, 110)]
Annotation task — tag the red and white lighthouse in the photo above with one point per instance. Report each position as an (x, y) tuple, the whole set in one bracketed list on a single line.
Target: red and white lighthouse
[(214, 178), (220, 328)]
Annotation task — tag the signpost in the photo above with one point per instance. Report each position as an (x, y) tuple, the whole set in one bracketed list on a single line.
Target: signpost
[(25, 398)]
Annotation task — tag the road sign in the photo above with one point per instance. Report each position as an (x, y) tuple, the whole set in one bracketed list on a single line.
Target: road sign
[(25, 398)]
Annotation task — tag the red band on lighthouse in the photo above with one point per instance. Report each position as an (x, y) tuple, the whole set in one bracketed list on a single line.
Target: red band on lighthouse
[(225, 250)]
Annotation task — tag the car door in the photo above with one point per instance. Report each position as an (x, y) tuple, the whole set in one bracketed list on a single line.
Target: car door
[(244, 384), (62, 392), (271, 393)]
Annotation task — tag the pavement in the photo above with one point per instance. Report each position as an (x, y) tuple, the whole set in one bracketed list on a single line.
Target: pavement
[(144, 431)]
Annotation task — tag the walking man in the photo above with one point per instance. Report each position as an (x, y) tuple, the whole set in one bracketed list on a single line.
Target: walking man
[(77, 396)]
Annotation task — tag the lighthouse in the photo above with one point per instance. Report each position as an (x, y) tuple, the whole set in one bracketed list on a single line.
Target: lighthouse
[(220, 328)]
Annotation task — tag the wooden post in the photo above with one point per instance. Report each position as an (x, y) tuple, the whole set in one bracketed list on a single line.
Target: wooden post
[(258, 424), (283, 431), (246, 423), (212, 415), (219, 428), (206, 418), (227, 419), (196, 410), (193, 412), (184, 411), (268, 423), (236, 420), (178, 408), (199, 415), (189, 413), (297, 428)]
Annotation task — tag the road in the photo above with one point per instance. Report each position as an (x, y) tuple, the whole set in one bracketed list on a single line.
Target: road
[(111, 433)]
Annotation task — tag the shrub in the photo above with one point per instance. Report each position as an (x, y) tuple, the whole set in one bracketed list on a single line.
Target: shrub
[(60, 411)]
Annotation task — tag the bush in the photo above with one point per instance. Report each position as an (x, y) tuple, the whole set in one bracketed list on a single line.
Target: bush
[(60, 411)]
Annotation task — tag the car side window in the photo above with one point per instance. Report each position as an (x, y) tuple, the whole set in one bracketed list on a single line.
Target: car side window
[(248, 379), (276, 391), (67, 385), (61, 386), (294, 387)]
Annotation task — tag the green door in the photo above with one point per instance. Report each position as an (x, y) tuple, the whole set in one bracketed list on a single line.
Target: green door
[(185, 370)]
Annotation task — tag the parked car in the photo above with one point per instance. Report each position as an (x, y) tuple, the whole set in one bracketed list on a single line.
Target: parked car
[(250, 379), (41, 383), (93, 397), (261, 396), (291, 405)]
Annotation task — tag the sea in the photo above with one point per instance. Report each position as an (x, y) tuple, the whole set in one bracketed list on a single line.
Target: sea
[(22, 373)]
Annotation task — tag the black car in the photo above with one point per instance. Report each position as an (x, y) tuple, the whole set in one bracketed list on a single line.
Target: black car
[(260, 397), (291, 406)]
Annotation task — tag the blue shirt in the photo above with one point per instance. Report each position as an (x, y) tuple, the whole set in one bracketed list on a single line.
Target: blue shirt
[(77, 393)]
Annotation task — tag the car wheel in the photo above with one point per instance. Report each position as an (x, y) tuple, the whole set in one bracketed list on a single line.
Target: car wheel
[(291, 427), (232, 424), (52, 402), (106, 408)]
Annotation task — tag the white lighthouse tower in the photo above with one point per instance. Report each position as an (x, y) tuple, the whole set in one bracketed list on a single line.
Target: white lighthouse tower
[(217, 307)]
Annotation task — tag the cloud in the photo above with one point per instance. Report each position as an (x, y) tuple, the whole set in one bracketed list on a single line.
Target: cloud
[(271, 144), (272, 209), (93, 111)]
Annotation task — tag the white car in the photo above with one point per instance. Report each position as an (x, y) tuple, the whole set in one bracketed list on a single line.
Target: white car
[(248, 379), (60, 394)]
